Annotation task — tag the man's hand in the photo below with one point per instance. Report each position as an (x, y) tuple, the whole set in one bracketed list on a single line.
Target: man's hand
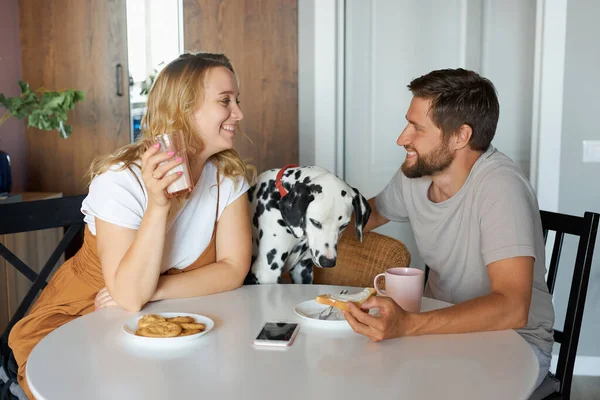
[(391, 324)]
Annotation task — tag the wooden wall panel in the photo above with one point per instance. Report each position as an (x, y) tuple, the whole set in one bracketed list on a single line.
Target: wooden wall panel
[(75, 44), (260, 38), (4, 309)]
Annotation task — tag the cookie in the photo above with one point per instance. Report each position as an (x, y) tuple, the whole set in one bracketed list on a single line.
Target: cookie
[(150, 319), (160, 329), (187, 332), (192, 326), (179, 320)]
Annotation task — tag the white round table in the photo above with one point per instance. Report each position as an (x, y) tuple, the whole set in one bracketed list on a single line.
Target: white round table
[(93, 358)]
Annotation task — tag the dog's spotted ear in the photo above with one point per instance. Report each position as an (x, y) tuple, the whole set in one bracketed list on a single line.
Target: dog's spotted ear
[(293, 208), (362, 212)]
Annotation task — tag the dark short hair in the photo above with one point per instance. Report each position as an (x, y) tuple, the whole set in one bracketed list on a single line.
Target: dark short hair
[(458, 97)]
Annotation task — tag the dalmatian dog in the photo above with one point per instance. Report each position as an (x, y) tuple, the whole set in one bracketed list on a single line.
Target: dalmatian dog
[(298, 215)]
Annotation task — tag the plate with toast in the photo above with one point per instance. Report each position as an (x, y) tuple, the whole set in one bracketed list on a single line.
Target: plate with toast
[(326, 309), (167, 328)]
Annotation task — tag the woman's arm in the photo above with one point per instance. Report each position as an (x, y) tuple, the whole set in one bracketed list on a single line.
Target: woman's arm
[(234, 251), (131, 259)]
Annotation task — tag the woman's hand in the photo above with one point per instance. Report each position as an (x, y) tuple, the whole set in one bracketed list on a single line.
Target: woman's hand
[(154, 177), (104, 299)]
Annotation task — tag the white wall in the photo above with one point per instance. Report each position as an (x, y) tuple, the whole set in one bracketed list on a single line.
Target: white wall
[(306, 82), (548, 85), (320, 81), (580, 182), (508, 42)]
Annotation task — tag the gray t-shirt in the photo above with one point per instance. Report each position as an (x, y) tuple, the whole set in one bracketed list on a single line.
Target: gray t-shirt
[(494, 216)]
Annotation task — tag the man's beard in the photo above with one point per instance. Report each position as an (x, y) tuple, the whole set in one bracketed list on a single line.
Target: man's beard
[(429, 164)]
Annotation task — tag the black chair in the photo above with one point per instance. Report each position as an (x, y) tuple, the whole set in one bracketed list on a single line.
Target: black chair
[(27, 217), (586, 228), (558, 385)]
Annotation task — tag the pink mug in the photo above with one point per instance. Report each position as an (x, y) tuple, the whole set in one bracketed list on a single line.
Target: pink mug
[(404, 286)]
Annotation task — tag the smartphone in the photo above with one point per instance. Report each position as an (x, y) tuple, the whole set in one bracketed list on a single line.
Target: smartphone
[(277, 334)]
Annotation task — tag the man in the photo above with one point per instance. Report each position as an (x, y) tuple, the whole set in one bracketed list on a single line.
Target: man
[(475, 218)]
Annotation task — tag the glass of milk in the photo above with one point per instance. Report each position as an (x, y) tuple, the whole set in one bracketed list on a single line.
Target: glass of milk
[(173, 141)]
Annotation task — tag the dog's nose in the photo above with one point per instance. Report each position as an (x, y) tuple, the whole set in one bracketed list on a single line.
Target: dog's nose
[(327, 262)]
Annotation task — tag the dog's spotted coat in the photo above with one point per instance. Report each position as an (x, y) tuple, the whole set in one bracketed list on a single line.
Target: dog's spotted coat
[(303, 228)]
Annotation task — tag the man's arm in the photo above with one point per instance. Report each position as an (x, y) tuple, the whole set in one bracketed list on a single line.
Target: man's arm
[(506, 307), (376, 219)]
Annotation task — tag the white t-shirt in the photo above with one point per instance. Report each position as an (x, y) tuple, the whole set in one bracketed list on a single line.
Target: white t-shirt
[(117, 197)]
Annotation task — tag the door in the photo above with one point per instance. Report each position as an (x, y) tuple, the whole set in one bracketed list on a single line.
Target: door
[(80, 45)]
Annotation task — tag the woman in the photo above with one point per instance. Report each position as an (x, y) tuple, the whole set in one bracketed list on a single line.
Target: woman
[(137, 241)]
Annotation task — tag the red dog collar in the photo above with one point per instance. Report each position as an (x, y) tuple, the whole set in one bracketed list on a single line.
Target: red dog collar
[(278, 183)]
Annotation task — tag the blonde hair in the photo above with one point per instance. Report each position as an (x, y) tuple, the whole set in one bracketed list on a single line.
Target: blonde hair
[(172, 100)]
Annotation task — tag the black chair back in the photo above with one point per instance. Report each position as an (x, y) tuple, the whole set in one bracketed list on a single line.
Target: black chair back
[(33, 216), (586, 228)]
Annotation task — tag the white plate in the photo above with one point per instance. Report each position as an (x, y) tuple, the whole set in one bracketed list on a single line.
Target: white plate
[(310, 310), (131, 326)]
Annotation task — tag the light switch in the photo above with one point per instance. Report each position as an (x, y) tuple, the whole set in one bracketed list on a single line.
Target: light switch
[(591, 151)]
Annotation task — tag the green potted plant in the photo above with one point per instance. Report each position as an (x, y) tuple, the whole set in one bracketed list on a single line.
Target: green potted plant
[(46, 111)]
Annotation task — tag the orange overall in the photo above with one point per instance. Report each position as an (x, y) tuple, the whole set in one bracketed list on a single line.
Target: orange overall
[(70, 294)]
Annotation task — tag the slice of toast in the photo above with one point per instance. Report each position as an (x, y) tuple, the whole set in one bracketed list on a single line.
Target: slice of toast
[(341, 300)]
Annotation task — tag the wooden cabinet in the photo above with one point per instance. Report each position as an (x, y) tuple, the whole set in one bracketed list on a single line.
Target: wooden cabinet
[(80, 45), (34, 249)]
